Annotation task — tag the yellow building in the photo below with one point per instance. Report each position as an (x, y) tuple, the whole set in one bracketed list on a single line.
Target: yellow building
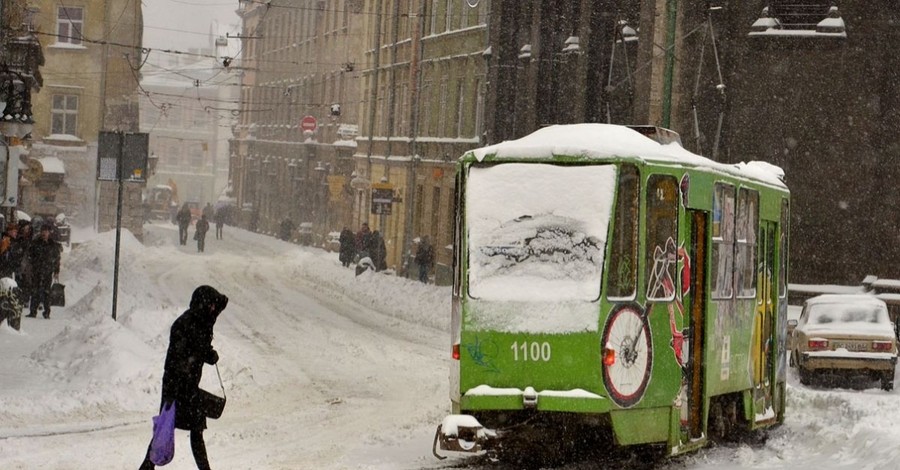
[(423, 96), (93, 54), (292, 153)]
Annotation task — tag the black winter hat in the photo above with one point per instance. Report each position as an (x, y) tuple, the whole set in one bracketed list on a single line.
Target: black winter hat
[(206, 296)]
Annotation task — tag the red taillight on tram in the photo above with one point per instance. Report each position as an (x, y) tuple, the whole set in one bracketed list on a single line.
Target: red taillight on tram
[(609, 356), (455, 352)]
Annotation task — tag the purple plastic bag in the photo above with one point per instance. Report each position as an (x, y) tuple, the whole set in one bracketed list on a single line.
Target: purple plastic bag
[(162, 446)]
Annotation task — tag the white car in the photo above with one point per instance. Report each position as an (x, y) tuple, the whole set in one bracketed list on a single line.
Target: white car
[(849, 336)]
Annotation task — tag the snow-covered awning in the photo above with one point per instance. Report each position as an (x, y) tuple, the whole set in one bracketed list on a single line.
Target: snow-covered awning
[(52, 165)]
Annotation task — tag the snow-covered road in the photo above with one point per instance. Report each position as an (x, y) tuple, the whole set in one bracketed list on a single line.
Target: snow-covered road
[(323, 369)]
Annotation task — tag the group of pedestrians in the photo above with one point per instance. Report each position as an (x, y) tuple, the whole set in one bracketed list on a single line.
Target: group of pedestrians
[(364, 244), (184, 217), (367, 243), (33, 262)]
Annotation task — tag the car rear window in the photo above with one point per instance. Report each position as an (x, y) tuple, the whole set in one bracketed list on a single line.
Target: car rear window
[(837, 313)]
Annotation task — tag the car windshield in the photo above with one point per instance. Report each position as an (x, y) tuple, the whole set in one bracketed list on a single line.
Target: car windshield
[(824, 314)]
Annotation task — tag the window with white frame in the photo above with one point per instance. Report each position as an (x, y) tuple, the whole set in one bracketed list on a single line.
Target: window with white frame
[(449, 24), (479, 107), (424, 126), (64, 115), (442, 117), (69, 24), (434, 9), (460, 107)]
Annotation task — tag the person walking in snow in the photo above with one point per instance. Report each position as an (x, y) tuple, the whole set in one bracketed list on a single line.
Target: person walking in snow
[(379, 251), (23, 271), (424, 258), (363, 241), (183, 218), (219, 219), (8, 261), (208, 211), (44, 256), (287, 229), (190, 346), (348, 247), (200, 233)]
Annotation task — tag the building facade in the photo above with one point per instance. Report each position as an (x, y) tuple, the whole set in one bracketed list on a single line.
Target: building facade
[(189, 111), (20, 78), (423, 105), (93, 57), (803, 85), (292, 153)]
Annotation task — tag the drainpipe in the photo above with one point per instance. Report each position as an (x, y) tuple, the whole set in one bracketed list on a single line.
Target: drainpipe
[(671, 16), (373, 93), (415, 86)]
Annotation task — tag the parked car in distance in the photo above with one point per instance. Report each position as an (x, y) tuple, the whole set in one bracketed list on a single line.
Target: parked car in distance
[(333, 242), (844, 337)]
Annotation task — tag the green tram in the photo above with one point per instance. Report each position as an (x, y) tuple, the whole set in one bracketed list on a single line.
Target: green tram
[(607, 278)]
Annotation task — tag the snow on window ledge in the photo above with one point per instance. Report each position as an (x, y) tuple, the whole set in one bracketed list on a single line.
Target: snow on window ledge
[(67, 45)]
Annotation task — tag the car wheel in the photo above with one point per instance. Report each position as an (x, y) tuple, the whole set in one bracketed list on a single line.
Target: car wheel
[(887, 381), (805, 376)]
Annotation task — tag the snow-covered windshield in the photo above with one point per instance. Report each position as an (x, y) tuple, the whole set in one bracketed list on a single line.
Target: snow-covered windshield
[(537, 232)]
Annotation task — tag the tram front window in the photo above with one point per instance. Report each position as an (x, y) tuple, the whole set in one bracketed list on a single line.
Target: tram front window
[(537, 232)]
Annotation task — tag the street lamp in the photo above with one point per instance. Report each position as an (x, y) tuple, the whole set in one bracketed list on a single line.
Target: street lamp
[(360, 184)]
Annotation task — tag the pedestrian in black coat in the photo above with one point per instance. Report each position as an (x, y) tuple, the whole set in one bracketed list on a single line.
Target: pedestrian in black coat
[(348, 247), (183, 218), (44, 256), (190, 346), (200, 234), (378, 251), (219, 219)]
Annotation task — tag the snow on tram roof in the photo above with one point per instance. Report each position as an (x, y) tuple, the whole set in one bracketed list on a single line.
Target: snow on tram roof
[(609, 140)]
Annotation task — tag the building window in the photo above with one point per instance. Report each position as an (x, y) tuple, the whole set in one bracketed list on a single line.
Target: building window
[(460, 108), (436, 213), (424, 125), (433, 26), (442, 117), (449, 16), (479, 108), (69, 24), (64, 115)]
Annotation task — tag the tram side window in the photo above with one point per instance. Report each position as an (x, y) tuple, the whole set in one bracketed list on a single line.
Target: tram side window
[(662, 233), (746, 226), (723, 241), (622, 277)]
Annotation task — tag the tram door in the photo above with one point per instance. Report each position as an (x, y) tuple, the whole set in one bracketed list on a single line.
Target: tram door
[(764, 378), (697, 308)]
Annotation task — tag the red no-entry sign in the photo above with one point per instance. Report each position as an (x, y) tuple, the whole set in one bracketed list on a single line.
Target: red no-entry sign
[(308, 123)]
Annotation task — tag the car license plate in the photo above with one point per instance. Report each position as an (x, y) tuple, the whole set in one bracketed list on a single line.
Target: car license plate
[(852, 346)]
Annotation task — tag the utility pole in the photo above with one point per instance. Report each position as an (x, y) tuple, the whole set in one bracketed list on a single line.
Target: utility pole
[(671, 25)]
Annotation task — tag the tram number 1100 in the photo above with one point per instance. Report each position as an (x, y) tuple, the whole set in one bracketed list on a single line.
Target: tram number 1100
[(532, 351)]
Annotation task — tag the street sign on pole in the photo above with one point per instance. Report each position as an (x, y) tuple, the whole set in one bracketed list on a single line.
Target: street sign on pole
[(131, 147), (308, 124), (382, 198)]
